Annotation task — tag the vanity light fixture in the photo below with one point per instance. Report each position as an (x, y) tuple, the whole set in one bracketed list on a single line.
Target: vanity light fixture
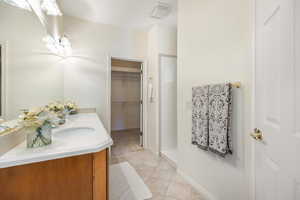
[(59, 46), (23, 4), (66, 44), (51, 7)]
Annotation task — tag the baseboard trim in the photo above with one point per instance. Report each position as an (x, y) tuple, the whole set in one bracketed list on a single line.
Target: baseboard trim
[(206, 194), (170, 161)]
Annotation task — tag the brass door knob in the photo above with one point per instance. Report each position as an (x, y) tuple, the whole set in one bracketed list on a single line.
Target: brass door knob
[(257, 135)]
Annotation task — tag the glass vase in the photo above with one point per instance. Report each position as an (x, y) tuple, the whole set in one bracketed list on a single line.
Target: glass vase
[(39, 136)]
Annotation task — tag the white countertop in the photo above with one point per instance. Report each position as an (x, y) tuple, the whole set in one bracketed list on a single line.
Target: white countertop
[(82, 134)]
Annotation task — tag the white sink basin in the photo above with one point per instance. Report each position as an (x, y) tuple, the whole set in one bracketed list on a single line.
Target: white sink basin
[(74, 137), (70, 132)]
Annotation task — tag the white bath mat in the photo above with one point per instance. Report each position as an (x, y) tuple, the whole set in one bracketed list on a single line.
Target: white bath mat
[(126, 184)]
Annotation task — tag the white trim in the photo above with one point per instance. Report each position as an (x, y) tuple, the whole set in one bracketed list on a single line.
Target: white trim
[(129, 59), (170, 161), (145, 104), (252, 150), (4, 61), (159, 138), (108, 90), (145, 92), (204, 192)]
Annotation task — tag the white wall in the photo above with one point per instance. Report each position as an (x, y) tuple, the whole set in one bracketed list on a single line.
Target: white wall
[(167, 39), (168, 103), (36, 77), (161, 40), (214, 46), (152, 79), (86, 71)]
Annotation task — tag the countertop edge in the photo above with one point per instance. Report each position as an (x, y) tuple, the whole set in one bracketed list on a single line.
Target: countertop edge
[(90, 150)]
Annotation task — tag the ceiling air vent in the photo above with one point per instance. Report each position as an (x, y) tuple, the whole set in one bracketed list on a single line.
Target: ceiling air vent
[(161, 10)]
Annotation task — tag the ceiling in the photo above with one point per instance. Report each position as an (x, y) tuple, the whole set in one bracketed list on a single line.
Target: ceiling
[(125, 13)]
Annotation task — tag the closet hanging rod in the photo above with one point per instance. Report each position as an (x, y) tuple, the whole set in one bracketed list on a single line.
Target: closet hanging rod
[(236, 84)]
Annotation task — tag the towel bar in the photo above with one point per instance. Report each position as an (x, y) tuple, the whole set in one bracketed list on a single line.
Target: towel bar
[(236, 84)]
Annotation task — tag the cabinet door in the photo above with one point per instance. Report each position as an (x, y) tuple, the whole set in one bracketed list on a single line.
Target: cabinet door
[(61, 179), (100, 176)]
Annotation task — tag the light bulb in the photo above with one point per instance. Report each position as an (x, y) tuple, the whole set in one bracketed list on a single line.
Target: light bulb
[(61, 47), (23, 4), (51, 7)]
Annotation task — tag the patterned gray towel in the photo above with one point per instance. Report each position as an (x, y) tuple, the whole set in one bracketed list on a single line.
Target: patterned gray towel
[(200, 117), (220, 113)]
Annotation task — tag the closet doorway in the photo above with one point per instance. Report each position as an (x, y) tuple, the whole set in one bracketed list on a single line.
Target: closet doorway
[(126, 106), (168, 107)]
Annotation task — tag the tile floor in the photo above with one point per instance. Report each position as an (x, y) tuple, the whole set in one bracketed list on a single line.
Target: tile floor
[(157, 172)]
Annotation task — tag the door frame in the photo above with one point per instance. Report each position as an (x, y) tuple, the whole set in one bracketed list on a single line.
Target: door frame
[(159, 136), (4, 61), (252, 185), (144, 95)]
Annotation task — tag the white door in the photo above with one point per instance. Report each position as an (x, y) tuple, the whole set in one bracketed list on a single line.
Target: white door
[(168, 103), (277, 111)]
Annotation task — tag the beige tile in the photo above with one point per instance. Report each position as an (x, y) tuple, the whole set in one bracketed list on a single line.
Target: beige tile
[(151, 162), (117, 159), (145, 172), (165, 165), (164, 174), (135, 147), (157, 172), (158, 197), (172, 198), (113, 160), (179, 191), (195, 195), (157, 186), (178, 179), (134, 160)]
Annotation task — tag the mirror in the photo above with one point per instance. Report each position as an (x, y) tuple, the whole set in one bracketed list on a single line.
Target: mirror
[(31, 75)]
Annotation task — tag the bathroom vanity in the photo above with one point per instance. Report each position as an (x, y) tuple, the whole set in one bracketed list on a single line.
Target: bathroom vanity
[(73, 167)]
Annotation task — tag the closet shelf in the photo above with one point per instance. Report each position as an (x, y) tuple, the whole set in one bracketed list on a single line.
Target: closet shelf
[(125, 69), (125, 101)]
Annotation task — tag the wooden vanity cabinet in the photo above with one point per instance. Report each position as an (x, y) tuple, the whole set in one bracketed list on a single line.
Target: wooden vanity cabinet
[(83, 177)]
